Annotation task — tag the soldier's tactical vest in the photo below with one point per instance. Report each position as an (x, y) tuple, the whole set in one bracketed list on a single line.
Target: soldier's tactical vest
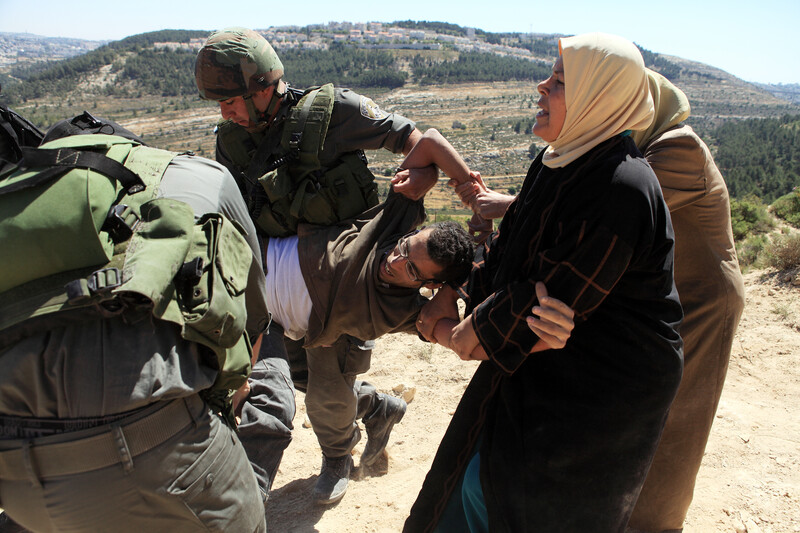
[(80, 226), (282, 178)]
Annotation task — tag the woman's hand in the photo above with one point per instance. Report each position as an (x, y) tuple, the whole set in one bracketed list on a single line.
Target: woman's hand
[(481, 199), (442, 305), (465, 342), (491, 204), (554, 324)]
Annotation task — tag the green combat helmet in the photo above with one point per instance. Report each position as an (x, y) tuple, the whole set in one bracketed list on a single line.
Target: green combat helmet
[(235, 62)]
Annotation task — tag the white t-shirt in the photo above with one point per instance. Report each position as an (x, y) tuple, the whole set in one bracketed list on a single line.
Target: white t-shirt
[(287, 295)]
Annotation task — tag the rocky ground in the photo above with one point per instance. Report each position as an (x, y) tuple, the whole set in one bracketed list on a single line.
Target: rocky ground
[(749, 482)]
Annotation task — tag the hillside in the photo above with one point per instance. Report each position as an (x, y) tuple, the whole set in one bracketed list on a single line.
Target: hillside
[(784, 91), (159, 64), (477, 88), (30, 48), (717, 96)]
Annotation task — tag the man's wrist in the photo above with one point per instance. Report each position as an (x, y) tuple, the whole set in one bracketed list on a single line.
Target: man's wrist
[(449, 290)]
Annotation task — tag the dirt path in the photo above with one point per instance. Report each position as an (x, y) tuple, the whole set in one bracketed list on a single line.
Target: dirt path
[(749, 482)]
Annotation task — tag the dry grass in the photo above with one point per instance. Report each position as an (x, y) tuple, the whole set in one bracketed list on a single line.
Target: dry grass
[(783, 252)]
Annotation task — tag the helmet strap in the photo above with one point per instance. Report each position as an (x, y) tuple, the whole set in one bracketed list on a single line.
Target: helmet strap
[(257, 117), (275, 101), (252, 111)]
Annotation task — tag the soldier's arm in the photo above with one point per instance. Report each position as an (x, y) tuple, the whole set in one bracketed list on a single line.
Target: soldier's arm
[(412, 141), (430, 149), (433, 149)]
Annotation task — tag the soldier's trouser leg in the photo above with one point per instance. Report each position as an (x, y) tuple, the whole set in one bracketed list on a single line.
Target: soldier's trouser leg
[(334, 401), (199, 479), (266, 426)]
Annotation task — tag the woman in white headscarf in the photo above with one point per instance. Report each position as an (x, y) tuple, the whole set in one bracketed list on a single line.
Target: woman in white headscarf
[(561, 440)]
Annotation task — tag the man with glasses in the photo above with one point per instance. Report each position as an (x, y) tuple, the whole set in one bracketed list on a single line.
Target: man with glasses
[(356, 279)]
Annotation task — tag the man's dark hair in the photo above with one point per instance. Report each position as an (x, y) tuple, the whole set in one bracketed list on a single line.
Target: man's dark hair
[(452, 248)]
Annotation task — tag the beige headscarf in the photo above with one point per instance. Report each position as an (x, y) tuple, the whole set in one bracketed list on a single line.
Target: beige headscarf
[(606, 94), (672, 108)]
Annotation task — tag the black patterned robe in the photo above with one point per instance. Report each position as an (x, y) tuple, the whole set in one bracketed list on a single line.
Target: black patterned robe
[(566, 436)]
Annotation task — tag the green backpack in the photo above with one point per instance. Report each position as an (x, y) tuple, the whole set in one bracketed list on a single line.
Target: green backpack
[(282, 178), (80, 226)]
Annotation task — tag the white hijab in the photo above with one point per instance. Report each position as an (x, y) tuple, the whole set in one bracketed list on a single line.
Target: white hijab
[(606, 93)]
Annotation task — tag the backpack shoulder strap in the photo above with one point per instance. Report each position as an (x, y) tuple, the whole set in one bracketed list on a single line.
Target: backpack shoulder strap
[(296, 133), (15, 132), (61, 160)]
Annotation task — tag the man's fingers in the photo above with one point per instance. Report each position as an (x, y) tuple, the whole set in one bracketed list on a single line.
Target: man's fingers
[(466, 192), (558, 306), (541, 290), (401, 176), (239, 396)]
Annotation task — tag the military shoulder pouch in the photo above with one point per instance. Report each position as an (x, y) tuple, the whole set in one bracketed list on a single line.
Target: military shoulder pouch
[(56, 209)]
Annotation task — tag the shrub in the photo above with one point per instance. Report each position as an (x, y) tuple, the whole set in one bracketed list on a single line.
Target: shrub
[(749, 251), (783, 252), (787, 207), (749, 216), (441, 216)]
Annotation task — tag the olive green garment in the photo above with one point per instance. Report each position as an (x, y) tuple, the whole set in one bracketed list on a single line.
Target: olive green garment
[(198, 481), (131, 363)]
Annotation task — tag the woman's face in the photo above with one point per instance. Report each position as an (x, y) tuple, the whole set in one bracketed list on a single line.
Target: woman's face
[(552, 105)]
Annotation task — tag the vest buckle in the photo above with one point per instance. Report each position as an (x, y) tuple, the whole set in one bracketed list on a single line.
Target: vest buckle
[(100, 282), (121, 222)]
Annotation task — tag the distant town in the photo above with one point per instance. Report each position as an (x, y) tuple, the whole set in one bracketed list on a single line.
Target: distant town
[(25, 47)]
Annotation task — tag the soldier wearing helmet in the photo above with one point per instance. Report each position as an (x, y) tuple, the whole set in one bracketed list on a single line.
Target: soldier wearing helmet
[(239, 69), (298, 157)]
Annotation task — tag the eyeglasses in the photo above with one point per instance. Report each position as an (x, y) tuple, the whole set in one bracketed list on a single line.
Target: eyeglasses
[(402, 251)]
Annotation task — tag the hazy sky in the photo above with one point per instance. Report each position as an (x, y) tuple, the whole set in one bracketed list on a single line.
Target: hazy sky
[(755, 40)]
